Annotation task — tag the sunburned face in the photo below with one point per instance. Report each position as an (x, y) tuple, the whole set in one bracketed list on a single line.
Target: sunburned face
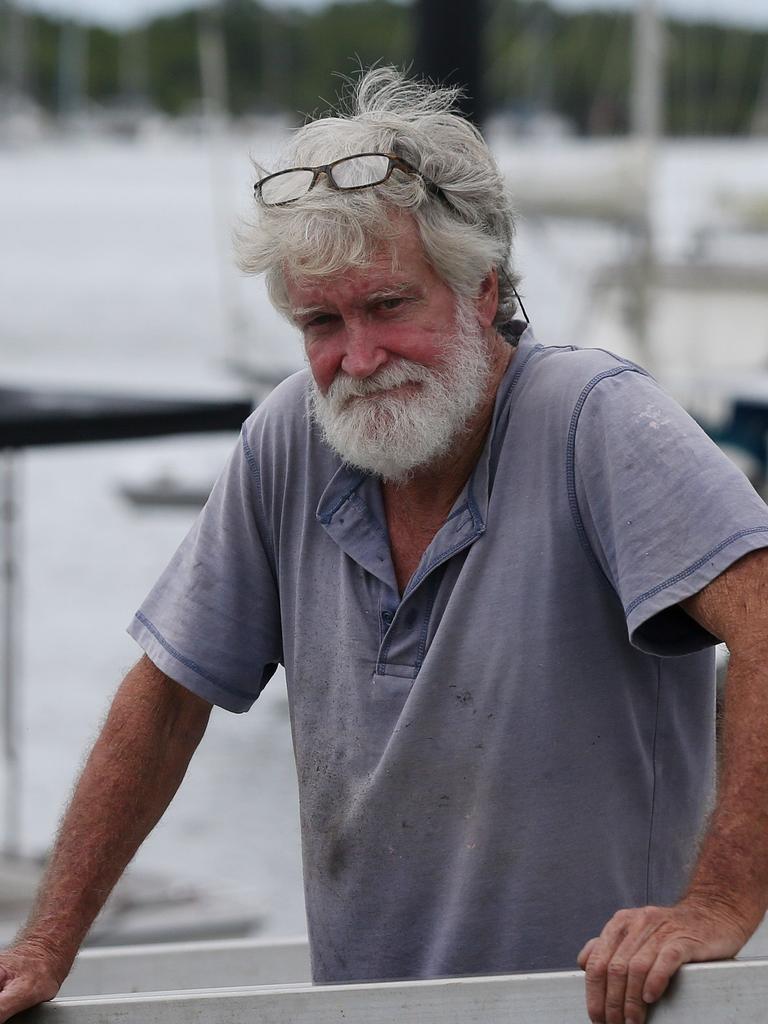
[(399, 364)]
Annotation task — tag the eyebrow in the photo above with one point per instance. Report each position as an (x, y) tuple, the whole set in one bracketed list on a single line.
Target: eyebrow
[(390, 292), (306, 312)]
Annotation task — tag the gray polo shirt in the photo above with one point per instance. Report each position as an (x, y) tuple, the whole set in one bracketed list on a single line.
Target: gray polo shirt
[(493, 762)]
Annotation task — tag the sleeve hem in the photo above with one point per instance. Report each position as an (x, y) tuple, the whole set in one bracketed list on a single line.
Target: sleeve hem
[(183, 671), (685, 584)]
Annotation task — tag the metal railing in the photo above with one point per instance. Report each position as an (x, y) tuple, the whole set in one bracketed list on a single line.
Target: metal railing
[(701, 994)]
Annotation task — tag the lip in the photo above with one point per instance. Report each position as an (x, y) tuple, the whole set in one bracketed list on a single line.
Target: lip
[(406, 388)]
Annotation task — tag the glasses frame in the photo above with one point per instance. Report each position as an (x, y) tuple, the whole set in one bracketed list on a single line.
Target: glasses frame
[(396, 163)]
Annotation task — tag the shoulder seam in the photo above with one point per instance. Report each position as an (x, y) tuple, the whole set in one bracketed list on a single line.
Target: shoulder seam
[(570, 458), (250, 458)]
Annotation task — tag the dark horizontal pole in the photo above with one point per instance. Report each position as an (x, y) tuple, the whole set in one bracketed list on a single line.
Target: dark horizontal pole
[(32, 417)]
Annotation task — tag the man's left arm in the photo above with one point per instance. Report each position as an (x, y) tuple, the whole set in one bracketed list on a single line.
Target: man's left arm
[(630, 963)]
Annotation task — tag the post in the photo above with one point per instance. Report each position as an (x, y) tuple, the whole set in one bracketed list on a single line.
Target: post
[(9, 567), (449, 37)]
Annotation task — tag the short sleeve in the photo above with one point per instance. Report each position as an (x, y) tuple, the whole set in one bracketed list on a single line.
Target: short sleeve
[(212, 620), (661, 510)]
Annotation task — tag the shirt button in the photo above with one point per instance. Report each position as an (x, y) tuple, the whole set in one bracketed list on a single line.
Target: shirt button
[(387, 616)]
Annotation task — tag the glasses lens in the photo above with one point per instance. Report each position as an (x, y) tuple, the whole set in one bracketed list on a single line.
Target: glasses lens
[(285, 186), (358, 171)]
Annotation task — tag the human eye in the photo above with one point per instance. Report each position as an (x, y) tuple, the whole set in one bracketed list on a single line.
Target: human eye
[(390, 303), (318, 321)]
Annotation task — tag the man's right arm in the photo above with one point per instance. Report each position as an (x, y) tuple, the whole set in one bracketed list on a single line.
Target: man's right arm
[(132, 773)]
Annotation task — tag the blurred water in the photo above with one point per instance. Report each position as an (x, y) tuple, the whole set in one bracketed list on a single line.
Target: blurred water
[(111, 277), (113, 274)]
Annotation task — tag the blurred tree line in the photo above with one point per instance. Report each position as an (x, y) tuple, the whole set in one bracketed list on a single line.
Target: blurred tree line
[(538, 59)]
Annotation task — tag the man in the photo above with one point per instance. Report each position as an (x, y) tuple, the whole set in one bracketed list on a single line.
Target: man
[(494, 573)]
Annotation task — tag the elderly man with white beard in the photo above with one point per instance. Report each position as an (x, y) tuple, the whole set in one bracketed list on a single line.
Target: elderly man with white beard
[(494, 572)]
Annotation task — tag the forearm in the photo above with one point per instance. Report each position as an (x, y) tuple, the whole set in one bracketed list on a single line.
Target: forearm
[(732, 867), (133, 771), (630, 963)]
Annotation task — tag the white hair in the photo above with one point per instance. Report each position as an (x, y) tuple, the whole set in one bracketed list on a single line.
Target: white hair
[(328, 231)]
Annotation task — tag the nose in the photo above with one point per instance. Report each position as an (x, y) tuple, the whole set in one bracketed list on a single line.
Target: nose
[(362, 356)]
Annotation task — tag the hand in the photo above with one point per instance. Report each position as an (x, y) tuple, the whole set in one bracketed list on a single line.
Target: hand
[(630, 963), (27, 977)]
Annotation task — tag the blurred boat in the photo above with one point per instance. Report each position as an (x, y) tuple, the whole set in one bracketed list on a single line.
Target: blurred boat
[(165, 490), (601, 181)]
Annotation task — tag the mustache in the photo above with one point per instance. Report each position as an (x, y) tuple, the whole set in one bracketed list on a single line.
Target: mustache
[(393, 375)]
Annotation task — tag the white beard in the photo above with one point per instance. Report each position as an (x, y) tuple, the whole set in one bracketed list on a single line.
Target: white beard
[(391, 435)]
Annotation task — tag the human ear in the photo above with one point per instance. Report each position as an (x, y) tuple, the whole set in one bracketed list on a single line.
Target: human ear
[(487, 301)]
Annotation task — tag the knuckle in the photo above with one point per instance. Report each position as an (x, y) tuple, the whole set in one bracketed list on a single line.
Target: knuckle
[(640, 965), (623, 917), (596, 968), (672, 953), (649, 915), (617, 968)]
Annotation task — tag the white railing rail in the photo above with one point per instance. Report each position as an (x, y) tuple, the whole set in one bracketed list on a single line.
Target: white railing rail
[(731, 991), (173, 966)]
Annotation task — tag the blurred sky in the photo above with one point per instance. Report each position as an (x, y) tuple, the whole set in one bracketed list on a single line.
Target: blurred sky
[(121, 12)]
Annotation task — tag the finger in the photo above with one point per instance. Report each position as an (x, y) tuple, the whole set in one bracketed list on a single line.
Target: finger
[(596, 969), (669, 959), (17, 996), (627, 971), (635, 1007), (586, 949)]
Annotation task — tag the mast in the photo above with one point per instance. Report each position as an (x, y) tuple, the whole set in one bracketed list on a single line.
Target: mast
[(72, 68), (13, 73), (214, 95), (133, 69), (646, 128), (647, 94)]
